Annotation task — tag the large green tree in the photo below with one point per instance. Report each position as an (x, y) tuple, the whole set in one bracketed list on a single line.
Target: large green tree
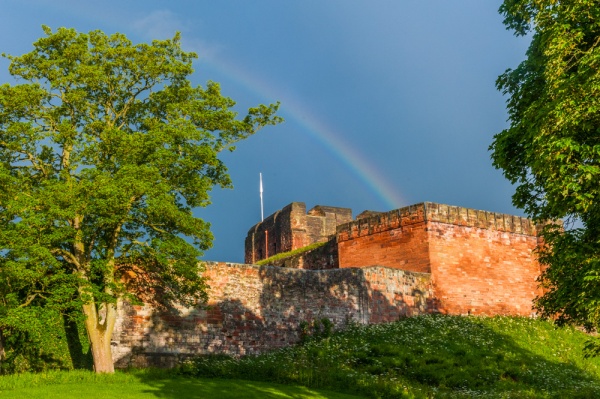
[(105, 150), (551, 150)]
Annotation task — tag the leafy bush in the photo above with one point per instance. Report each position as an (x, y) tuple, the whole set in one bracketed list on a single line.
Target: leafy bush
[(39, 339), (316, 329)]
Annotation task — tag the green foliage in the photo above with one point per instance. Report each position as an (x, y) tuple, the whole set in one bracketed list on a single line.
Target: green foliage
[(289, 254), (429, 356), (551, 149), (105, 150), (34, 340), (316, 329), (39, 339)]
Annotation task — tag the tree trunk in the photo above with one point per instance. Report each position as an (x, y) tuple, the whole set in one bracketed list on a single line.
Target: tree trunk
[(99, 326), (2, 353)]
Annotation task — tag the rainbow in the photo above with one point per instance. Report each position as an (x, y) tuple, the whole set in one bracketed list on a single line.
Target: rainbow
[(291, 109)]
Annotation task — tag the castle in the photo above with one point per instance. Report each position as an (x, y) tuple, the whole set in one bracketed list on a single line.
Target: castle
[(424, 258)]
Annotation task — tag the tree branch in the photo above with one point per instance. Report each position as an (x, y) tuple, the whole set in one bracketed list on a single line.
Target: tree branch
[(69, 257), (30, 299)]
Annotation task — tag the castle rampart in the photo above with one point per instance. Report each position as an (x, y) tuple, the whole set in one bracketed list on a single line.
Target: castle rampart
[(480, 262), (418, 259)]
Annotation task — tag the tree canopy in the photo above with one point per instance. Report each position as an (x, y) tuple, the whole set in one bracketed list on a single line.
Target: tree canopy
[(551, 150), (105, 150)]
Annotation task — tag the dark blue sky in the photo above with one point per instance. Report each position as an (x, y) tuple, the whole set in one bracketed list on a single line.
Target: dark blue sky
[(387, 103)]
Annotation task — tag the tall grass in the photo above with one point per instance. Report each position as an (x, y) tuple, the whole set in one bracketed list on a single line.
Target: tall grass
[(429, 356)]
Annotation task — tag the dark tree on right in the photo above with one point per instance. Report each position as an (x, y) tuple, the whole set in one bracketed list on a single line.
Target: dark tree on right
[(551, 150)]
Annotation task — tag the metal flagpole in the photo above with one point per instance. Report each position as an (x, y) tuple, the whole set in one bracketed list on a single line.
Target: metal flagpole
[(262, 216)]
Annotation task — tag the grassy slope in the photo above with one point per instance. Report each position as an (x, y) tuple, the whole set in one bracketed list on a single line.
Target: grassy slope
[(422, 357), (432, 356), (146, 384)]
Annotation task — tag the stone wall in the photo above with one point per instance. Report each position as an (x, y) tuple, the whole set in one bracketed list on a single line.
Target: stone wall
[(253, 309), (429, 258), (280, 232), (396, 239)]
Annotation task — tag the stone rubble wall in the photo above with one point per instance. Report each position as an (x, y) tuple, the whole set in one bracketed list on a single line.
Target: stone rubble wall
[(253, 309), (320, 258), (291, 228)]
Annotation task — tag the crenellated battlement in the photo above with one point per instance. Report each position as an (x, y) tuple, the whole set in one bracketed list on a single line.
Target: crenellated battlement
[(434, 212)]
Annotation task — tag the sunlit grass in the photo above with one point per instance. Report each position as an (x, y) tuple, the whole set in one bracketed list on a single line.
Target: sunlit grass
[(289, 254), (138, 384)]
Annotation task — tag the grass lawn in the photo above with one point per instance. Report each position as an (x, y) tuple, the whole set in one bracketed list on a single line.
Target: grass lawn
[(146, 384)]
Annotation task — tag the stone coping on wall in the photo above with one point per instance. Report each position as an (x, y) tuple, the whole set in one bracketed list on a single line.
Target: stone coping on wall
[(433, 212), (270, 219), (216, 264)]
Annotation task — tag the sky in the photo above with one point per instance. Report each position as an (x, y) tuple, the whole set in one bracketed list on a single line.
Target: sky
[(386, 103)]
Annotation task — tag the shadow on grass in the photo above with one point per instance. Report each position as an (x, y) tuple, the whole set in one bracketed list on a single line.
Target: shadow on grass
[(453, 356), (182, 387), (467, 354)]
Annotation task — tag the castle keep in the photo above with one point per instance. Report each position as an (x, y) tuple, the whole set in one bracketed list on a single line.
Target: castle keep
[(423, 258), (292, 228)]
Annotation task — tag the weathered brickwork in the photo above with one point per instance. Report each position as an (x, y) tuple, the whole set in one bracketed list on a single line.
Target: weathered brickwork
[(403, 247), (292, 228), (481, 262), (395, 239), (483, 271), (253, 309), (276, 233)]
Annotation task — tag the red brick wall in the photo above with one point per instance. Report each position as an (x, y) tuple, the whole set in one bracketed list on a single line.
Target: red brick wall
[(481, 262), (280, 232), (482, 271), (403, 248), (396, 239), (253, 309)]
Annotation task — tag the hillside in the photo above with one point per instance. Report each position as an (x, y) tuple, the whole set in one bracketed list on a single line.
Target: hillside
[(429, 356)]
